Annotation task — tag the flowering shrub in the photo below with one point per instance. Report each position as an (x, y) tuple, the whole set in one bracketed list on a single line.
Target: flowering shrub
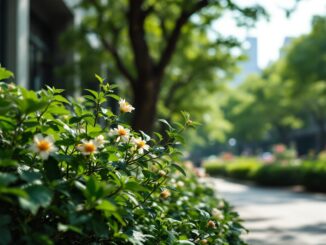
[(284, 155), (72, 172)]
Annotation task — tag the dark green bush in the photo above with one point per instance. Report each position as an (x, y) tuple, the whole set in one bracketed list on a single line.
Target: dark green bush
[(278, 175), (72, 172), (314, 176)]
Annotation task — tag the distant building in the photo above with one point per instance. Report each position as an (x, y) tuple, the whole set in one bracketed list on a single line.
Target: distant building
[(29, 33), (251, 64), (287, 41)]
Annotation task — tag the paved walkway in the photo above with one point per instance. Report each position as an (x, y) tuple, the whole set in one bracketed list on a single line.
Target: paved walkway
[(277, 216)]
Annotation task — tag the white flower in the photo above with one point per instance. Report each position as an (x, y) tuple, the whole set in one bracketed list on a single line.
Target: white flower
[(221, 204), (11, 86), (180, 184), (217, 214), (140, 145), (125, 106), (121, 132), (43, 145), (87, 147), (99, 141)]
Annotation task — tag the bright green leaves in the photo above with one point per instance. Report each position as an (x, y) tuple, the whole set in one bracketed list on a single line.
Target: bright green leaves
[(5, 74), (37, 196)]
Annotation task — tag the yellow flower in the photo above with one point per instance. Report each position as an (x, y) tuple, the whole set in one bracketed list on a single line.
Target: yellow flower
[(43, 146), (121, 132), (87, 147), (125, 106)]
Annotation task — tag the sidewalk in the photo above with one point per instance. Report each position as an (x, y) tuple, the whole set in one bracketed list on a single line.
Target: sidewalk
[(277, 216)]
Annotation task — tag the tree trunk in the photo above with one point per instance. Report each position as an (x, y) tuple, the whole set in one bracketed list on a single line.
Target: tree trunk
[(146, 94)]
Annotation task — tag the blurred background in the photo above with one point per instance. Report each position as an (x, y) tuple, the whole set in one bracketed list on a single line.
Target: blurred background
[(251, 72)]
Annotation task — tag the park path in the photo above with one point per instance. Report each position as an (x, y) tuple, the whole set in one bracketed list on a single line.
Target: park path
[(276, 216)]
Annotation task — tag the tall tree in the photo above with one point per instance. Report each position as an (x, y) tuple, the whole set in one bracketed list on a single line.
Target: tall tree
[(142, 39), (305, 71)]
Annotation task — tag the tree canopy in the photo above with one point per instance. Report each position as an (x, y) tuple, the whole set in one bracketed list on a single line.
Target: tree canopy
[(159, 47)]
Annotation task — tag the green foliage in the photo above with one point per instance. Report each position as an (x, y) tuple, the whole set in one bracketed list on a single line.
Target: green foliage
[(286, 96), (278, 175), (310, 174), (239, 168), (315, 176), (73, 172), (5, 74)]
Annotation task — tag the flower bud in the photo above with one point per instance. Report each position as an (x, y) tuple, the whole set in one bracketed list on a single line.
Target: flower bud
[(162, 173), (203, 241), (165, 194), (180, 184), (211, 224)]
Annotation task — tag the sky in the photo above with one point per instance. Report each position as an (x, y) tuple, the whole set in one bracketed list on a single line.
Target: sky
[(271, 34)]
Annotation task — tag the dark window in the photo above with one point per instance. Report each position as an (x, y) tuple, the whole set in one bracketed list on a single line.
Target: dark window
[(2, 31), (40, 55)]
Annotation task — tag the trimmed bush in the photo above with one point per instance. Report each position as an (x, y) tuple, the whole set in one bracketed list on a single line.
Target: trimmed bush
[(314, 176), (73, 172), (216, 168), (243, 170), (278, 175), (311, 175)]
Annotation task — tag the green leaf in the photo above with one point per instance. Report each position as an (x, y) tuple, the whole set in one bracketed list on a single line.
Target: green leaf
[(116, 97), (60, 98), (65, 228), (100, 79), (7, 163), (185, 242), (6, 178), (5, 74), (94, 93), (13, 191), (30, 175), (134, 186), (166, 123), (38, 196), (179, 168), (106, 206)]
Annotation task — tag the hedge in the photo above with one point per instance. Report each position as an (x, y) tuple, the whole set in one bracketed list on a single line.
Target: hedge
[(311, 175)]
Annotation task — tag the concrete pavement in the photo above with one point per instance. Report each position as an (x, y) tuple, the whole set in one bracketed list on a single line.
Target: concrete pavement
[(276, 216)]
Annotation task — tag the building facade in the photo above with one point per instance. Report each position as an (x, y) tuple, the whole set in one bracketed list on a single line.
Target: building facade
[(29, 39)]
